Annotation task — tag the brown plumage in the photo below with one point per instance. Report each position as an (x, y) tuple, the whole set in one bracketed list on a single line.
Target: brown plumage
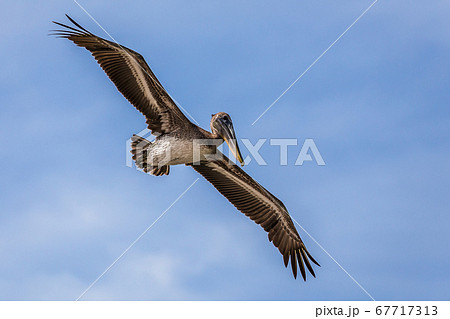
[(132, 76), (261, 206)]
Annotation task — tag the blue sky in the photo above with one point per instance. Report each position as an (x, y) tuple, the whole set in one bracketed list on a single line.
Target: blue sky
[(376, 105)]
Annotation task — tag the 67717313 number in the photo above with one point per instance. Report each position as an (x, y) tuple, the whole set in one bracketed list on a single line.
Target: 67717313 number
[(406, 310)]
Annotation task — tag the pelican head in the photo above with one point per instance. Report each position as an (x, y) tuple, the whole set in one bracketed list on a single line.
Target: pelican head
[(222, 127)]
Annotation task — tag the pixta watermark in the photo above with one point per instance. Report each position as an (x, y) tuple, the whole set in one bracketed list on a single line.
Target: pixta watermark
[(290, 151)]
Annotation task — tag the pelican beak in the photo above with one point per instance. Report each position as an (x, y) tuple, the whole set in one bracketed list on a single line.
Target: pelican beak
[(227, 133)]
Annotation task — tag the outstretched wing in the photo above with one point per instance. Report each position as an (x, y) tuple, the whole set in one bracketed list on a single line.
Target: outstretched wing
[(261, 206), (132, 76)]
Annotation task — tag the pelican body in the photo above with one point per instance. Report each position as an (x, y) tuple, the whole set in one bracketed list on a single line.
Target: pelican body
[(179, 141), (189, 145)]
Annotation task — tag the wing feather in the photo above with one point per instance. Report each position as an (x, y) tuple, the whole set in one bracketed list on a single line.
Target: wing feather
[(132, 76), (261, 206)]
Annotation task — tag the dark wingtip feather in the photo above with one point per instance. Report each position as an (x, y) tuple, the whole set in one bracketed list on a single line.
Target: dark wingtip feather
[(294, 264), (311, 257), (286, 259), (308, 265), (71, 30), (74, 30), (300, 264), (75, 23)]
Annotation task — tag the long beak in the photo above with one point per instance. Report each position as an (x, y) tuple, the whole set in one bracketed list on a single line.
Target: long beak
[(230, 137)]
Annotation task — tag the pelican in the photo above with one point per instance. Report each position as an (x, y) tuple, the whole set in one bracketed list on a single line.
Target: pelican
[(177, 136)]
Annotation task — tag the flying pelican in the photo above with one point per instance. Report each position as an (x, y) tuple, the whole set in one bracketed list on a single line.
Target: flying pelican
[(177, 136)]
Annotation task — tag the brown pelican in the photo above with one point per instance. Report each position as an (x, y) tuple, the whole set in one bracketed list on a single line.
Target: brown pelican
[(177, 136)]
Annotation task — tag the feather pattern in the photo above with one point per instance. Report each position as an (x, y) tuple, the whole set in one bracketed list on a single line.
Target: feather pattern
[(261, 206), (132, 76)]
